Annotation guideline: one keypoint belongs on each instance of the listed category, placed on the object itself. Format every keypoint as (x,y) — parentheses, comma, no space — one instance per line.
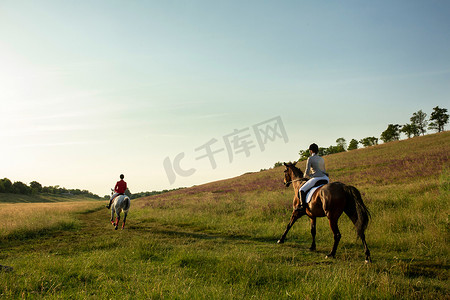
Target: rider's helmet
(314,148)
(121,176)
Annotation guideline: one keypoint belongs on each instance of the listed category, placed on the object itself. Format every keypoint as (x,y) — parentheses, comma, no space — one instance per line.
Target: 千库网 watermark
(237,142)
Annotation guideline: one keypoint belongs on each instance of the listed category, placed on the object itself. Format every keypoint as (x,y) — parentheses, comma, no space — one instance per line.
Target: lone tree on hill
(392,133)
(341,144)
(419,120)
(439,118)
(353,145)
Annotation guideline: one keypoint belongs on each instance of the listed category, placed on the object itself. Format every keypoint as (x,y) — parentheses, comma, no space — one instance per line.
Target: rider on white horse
(119,189)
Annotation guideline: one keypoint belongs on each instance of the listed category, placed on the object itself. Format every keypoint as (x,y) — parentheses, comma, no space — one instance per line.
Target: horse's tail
(127,203)
(356,209)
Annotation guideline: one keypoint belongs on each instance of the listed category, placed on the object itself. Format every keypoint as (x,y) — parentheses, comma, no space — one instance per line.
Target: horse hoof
(115,228)
(368,261)
(329,256)
(312,249)
(280,242)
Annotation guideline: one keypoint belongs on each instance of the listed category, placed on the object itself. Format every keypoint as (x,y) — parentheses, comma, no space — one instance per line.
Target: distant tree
(323,151)
(304,154)
(392,133)
(36,187)
(419,120)
(146,194)
(6,186)
(369,141)
(21,188)
(410,130)
(76,192)
(439,118)
(332,150)
(353,145)
(342,144)
(277,164)
(48,190)
(62,190)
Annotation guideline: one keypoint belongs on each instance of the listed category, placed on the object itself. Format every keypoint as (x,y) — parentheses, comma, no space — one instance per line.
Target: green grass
(218,241)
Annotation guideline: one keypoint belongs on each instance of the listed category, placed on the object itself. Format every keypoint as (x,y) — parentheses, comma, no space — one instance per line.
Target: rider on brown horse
(315,169)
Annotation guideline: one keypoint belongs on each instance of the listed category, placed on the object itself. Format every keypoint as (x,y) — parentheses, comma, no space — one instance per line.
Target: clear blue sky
(92,89)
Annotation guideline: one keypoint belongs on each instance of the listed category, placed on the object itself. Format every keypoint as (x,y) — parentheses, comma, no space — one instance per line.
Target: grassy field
(218,240)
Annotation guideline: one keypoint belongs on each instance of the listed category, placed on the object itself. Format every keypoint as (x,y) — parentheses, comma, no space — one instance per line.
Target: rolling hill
(218,240)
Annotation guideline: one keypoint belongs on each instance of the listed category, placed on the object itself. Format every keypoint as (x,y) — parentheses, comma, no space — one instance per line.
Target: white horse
(120,203)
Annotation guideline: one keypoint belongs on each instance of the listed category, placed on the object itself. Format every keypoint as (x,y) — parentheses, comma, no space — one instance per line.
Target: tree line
(152,193)
(418,126)
(35,188)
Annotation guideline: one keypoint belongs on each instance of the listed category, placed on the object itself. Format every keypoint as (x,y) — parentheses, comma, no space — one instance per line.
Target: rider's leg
(304,190)
(303,199)
(110,200)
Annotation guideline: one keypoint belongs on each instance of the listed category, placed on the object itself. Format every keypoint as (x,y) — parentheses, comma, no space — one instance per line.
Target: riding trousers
(310,183)
(115,195)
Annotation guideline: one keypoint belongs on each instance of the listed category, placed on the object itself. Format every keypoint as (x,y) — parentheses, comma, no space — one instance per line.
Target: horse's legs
(112,216)
(117,220)
(337,236)
(313,234)
(366,249)
(354,219)
(295,216)
(124,219)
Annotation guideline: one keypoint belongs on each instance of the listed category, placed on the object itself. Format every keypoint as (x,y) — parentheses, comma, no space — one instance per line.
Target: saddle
(120,194)
(311,191)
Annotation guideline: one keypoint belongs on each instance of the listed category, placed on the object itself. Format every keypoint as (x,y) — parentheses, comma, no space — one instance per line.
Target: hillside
(412,161)
(218,240)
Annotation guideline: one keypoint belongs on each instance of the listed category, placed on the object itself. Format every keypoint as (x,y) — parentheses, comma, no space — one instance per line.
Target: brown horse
(330,201)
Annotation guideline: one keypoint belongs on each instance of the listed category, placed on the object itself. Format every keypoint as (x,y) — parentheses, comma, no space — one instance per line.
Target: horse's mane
(297,172)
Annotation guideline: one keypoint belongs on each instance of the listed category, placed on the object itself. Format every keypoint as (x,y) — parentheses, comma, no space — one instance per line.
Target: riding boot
(303,200)
(109,205)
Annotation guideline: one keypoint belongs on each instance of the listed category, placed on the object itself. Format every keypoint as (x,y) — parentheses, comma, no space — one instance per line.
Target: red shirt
(121,187)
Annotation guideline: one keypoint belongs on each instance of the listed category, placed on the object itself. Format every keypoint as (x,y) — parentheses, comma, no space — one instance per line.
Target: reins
(300,179)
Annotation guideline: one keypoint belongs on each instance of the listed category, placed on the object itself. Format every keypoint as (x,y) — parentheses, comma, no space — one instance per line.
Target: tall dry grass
(20,220)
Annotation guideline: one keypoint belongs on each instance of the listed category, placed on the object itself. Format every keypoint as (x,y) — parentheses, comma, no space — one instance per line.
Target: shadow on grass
(27,234)
(177,233)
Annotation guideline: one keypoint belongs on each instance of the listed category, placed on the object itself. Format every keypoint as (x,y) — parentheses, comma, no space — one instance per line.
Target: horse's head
(291,173)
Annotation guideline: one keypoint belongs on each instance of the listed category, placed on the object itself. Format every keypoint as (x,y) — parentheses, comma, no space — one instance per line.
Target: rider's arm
(308,167)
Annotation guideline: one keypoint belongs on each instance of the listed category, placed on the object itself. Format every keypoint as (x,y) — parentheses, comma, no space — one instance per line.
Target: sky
(180,93)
